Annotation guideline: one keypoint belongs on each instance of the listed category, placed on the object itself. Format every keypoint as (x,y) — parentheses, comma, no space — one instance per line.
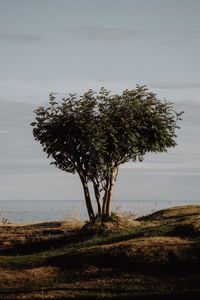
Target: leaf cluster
(97,131)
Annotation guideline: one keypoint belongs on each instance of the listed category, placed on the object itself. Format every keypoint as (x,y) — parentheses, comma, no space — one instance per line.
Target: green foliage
(94,132)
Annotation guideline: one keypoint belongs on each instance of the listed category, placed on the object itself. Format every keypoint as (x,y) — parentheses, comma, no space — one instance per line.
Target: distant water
(34,211)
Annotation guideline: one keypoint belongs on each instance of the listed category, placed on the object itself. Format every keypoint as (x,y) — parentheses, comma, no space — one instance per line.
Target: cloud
(104,33)
(173,85)
(162,36)
(21,38)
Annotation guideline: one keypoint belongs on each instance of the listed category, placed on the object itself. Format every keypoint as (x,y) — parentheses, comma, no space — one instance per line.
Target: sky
(67,46)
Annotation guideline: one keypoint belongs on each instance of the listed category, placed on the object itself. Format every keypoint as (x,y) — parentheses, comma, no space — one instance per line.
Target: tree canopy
(93,134)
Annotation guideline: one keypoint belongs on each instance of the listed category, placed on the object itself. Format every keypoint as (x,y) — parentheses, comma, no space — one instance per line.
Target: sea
(28,211)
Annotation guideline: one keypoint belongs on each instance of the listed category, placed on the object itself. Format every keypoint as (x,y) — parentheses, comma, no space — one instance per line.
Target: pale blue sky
(73,45)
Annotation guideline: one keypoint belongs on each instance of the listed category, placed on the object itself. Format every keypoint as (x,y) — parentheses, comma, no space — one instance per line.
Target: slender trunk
(105,198)
(109,200)
(110,192)
(87,197)
(97,196)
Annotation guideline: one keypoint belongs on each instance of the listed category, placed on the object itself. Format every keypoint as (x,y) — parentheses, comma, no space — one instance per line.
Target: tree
(94,134)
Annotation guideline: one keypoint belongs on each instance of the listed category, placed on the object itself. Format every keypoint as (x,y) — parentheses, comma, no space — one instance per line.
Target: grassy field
(157,255)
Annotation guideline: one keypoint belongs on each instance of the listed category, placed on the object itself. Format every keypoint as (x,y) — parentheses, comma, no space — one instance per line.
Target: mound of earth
(150,252)
(110,225)
(176,221)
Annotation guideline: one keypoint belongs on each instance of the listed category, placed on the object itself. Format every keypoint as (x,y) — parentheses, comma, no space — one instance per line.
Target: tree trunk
(110,192)
(87,197)
(105,198)
(97,196)
(109,200)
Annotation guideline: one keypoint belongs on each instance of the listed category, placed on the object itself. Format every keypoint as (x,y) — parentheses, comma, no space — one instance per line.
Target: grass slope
(156,255)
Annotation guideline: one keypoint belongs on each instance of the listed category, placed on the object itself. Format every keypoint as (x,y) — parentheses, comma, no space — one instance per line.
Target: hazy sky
(72,45)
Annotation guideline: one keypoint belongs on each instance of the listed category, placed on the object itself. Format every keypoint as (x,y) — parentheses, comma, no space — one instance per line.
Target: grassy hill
(156,255)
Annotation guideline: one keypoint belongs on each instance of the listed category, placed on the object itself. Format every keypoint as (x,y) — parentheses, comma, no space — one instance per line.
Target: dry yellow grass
(145,261)
(19,234)
(17,278)
(149,250)
(185,213)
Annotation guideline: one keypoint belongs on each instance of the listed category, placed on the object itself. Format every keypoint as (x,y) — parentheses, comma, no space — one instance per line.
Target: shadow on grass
(33,247)
(88,237)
